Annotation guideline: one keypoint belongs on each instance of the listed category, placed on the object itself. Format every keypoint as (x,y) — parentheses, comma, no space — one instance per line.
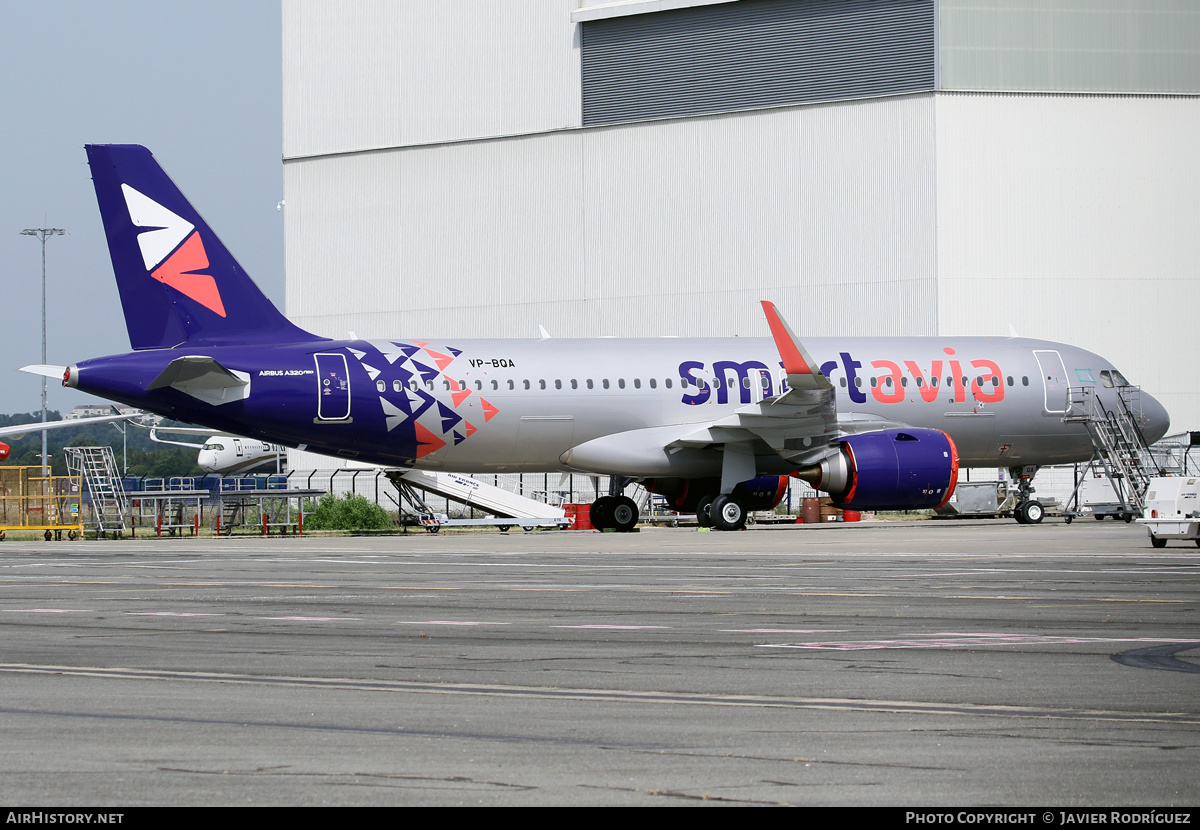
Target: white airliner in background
(224,454)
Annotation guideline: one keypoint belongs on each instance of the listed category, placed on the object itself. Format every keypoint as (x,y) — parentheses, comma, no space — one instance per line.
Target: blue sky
(197,83)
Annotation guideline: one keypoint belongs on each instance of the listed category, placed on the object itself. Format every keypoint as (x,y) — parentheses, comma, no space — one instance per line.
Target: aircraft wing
(38,426)
(798,424)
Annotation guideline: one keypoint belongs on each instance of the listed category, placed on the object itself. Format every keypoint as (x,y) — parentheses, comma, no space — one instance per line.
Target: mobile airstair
(1119,448)
(98,469)
(508,508)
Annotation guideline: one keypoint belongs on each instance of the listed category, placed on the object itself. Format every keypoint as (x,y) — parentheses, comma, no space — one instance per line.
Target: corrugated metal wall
(1074,219)
(1070,45)
(378,73)
(675,227)
(754,53)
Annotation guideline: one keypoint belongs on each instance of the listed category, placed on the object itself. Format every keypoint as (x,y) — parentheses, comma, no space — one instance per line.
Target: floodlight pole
(42,233)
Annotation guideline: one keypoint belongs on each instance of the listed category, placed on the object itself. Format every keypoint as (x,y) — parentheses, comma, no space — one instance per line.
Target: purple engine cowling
(892,469)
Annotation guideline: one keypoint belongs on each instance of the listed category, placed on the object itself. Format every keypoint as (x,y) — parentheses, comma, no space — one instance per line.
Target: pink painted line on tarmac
(47,610)
(168,614)
(448,622)
(966,640)
(312,619)
(783,630)
(614,627)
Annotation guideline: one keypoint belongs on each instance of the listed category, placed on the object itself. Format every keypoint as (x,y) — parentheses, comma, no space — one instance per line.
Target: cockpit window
(1111,378)
(217,447)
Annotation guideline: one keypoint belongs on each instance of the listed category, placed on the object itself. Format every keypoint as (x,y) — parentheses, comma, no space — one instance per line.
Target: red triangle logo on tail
(177,270)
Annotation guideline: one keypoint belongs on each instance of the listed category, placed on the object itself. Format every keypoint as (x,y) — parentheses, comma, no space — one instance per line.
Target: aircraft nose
(1157,421)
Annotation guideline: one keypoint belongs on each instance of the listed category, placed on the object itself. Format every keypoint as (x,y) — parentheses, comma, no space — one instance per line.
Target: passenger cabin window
(511,385)
(396,386)
(527,386)
(668,383)
(574,383)
(590,385)
(381,385)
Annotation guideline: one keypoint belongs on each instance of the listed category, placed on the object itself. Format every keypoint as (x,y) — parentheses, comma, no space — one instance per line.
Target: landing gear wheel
(602,513)
(1158,543)
(1099,517)
(70,535)
(727,513)
(49,536)
(704,512)
(1030,512)
(623,514)
(1128,518)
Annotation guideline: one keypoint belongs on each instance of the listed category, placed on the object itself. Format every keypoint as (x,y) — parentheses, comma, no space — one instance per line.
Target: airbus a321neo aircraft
(714,425)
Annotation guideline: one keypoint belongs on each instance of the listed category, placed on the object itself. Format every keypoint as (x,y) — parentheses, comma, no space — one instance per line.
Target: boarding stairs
(1119,447)
(236,509)
(98,468)
(509,508)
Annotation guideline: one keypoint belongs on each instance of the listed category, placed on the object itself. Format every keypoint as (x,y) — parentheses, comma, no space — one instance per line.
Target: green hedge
(348,513)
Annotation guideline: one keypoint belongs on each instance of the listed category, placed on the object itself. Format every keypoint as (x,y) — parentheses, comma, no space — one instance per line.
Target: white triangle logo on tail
(166,229)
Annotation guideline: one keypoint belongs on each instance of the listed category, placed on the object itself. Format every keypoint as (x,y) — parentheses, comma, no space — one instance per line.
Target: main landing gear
(722,512)
(619,513)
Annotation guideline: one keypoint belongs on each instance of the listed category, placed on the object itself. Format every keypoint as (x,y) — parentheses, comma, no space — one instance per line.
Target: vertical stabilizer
(178,282)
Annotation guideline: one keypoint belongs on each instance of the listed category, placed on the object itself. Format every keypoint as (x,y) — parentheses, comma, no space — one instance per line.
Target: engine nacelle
(3,451)
(892,469)
(683,494)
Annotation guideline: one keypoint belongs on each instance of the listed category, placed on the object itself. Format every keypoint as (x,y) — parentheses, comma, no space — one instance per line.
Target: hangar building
(656,167)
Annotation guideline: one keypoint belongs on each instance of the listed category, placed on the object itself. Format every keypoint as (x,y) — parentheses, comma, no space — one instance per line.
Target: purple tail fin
(179,285)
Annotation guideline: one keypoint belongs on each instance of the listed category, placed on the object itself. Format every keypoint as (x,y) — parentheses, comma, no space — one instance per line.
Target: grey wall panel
(674,228)
(377,73)
(1070,45)
(1073,218)
(754,53)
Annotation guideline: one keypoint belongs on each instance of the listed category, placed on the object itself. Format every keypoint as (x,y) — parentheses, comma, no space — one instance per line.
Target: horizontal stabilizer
(45,369)
(204,379)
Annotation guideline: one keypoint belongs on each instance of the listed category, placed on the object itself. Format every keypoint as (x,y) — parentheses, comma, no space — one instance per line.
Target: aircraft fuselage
(520,405)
